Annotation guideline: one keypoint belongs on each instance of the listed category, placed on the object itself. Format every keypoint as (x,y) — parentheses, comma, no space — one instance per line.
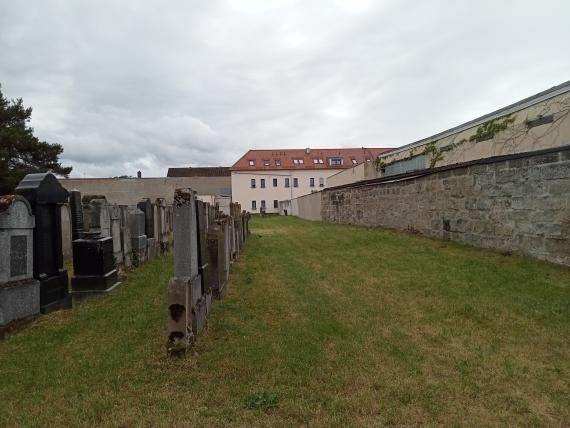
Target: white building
(262,178)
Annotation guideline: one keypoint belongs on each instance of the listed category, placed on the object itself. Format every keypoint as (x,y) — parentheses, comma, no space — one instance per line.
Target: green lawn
(321,325)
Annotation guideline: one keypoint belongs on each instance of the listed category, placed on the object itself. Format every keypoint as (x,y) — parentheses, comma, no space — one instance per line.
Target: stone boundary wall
(518,203)
(130,191)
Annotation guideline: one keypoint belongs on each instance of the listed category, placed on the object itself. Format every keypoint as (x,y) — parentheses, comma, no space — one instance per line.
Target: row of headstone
(206,241)
(105,237)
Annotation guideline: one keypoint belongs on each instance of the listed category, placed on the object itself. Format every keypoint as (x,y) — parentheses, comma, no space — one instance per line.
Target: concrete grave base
(95,283)
(18,300)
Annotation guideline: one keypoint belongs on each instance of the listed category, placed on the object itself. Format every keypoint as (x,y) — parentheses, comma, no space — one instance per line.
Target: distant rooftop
(206,171)
(275,159)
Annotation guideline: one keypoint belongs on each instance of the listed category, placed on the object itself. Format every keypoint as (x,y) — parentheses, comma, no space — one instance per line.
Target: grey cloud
(147,85)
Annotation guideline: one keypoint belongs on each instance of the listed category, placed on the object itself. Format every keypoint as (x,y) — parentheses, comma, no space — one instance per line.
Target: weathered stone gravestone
(216,258)
(46,196)
(126,242)
(189,306)
(115,220)
(19,291)
(96,217)
(161,225)
(203,267)
(138,236)
(94,269)
(147,208)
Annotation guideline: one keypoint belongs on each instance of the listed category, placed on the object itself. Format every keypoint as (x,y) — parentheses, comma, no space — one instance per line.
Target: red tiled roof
(286,158)
(207,171)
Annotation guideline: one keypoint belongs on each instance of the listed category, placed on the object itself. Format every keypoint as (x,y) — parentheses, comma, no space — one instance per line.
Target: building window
(321,182)
(275,203)
(251,162)
(253,183)
(262,183)
(312,182)
(335,161)
(277,162)
(265,162)
(287,182)
(295,182)
(321,161)
(253,205)
(263,204)
(274,182)
(298,161)
(354,161)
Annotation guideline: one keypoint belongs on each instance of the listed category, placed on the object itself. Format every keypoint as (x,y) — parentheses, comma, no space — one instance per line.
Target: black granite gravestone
(94,269)
(46,196)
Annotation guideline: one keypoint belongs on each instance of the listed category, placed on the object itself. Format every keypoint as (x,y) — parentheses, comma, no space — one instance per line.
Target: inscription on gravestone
(18,255)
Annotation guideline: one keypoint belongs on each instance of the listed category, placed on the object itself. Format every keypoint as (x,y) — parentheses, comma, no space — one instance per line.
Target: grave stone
(216,256)
(94,269)
(19,291)
(46,196)
(77,225)
(138,237)
(146,206)
(162,225)
(96,215)
(115,219)
(126,243)
(181,287)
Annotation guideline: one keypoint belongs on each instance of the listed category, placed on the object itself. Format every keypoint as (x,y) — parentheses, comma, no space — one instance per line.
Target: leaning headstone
(19,291)
(138,237)
(46,196)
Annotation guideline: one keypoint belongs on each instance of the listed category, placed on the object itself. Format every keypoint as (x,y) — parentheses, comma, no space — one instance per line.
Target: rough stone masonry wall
(519,204)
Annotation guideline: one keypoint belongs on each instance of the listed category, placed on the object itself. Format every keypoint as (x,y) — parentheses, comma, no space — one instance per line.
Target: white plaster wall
(244,194)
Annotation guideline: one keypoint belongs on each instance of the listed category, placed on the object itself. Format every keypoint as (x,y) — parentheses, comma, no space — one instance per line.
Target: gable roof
(285,158)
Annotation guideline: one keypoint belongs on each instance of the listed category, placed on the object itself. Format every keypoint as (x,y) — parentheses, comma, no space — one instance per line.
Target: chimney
(307,150)
(139,174)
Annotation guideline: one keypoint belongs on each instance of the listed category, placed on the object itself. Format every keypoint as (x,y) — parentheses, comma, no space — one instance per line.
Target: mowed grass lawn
(329,324)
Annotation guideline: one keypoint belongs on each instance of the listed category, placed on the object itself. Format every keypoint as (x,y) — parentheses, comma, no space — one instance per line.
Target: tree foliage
(21,152)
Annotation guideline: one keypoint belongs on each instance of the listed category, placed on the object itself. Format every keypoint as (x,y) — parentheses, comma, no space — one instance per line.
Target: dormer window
(354,161)
(317,161)
(298,161)
(335,161)
(277,162)
(251,162)
(265,162)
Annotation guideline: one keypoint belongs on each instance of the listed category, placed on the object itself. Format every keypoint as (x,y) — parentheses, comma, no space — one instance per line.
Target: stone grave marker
(46,196)
(138,237)
(19,291)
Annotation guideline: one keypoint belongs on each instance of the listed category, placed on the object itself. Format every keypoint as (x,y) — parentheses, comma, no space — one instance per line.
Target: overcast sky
(147,85)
